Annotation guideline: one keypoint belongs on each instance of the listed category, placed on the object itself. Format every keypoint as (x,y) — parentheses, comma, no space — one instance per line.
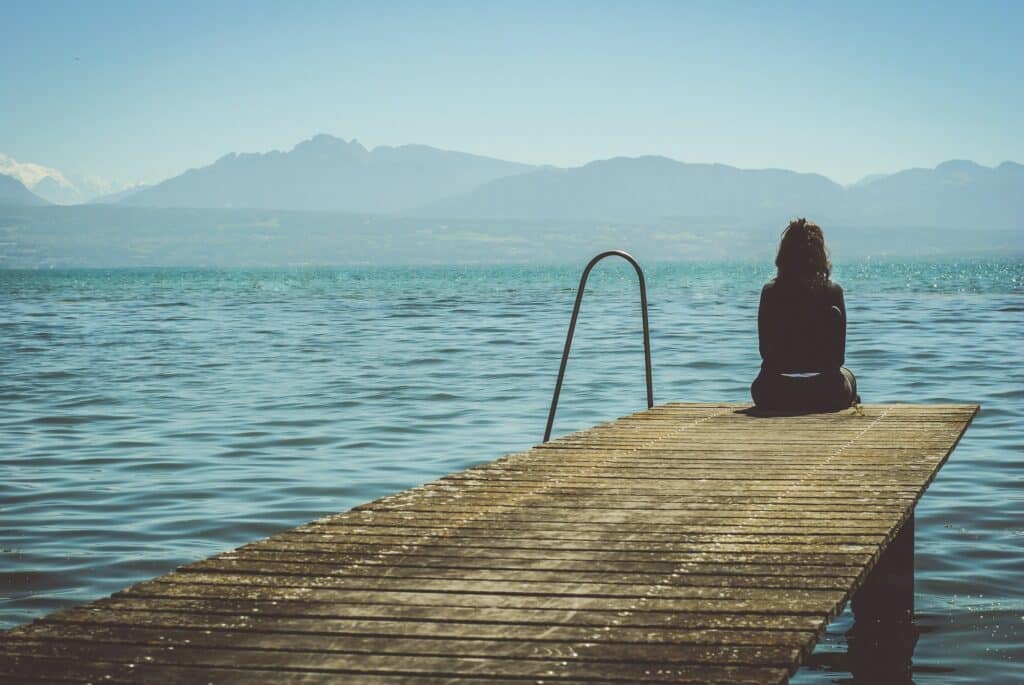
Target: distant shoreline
(107,236)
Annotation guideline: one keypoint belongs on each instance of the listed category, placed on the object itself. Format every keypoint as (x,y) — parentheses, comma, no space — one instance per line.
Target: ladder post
(572,328)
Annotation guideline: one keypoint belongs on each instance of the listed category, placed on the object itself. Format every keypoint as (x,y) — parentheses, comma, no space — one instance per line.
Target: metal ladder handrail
(572,327)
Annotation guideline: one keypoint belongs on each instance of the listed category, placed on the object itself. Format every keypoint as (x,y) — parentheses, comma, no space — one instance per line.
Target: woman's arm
(765,337)
(837,343)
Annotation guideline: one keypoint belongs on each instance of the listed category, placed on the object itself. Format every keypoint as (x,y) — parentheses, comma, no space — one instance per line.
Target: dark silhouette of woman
(801,325)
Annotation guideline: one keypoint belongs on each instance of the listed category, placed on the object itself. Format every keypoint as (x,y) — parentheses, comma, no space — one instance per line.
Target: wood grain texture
(690,543)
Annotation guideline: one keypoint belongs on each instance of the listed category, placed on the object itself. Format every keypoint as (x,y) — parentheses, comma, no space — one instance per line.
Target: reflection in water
(882,640)
(880,645)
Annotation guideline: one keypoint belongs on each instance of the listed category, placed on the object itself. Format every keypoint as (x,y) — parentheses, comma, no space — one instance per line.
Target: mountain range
(326,173)
(955,194)
(644,189)
(54,186)
(13,193)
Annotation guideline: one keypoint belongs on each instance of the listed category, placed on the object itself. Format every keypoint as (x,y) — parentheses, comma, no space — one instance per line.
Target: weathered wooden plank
(688,543)
(743,565)
(614,529)
(48,668)
(142,604)
(579,550)
(262,565)
(183,625)
(725,504)
(219,643)
(764,604)
(682,585)
(596,559)
(342,589)
(695,523)
(660,544)
(587,520)
(285,661)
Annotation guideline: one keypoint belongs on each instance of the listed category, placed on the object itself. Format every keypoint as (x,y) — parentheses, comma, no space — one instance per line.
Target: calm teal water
(152,417)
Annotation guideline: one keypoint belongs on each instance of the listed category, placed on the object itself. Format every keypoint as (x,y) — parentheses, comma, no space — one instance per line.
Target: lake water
(153,417)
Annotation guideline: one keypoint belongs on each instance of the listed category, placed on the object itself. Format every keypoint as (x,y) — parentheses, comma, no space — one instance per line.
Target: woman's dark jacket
(801,329)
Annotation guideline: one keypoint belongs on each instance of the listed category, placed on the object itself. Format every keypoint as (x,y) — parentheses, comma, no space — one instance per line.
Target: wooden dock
(690,543)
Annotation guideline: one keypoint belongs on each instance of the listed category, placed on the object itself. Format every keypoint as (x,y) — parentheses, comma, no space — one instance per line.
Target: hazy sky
(140,91)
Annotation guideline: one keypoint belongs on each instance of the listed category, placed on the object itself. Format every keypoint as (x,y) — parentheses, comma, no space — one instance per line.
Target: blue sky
(141,91)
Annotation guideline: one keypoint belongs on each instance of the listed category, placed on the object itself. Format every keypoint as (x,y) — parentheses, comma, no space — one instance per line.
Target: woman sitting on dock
(801,326)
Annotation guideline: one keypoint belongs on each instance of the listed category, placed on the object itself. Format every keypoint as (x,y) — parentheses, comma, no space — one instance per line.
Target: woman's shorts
(827,391)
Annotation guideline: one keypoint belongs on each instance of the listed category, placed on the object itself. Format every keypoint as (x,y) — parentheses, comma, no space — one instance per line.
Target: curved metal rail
(572,328)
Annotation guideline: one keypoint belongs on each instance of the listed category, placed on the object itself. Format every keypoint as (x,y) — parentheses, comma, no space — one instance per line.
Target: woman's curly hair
(803,257)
